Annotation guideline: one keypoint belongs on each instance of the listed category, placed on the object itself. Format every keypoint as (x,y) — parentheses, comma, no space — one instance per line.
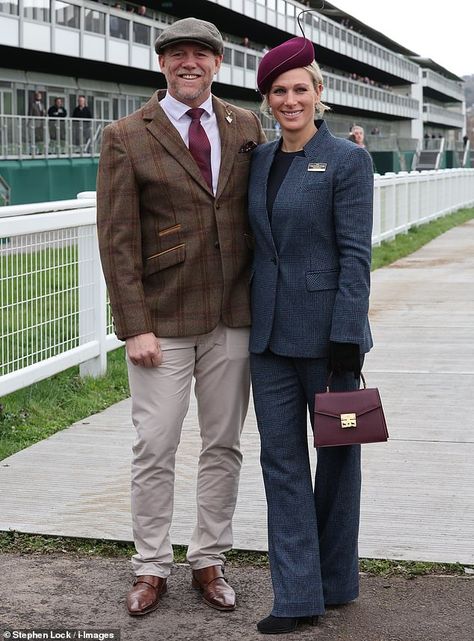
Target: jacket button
(217,244)
(218,206)
(274,260)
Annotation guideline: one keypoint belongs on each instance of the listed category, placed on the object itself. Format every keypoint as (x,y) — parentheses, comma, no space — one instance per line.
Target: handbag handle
(330,377)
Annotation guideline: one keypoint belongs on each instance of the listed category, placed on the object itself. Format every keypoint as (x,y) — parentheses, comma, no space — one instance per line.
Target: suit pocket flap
(164,259)
(316,281)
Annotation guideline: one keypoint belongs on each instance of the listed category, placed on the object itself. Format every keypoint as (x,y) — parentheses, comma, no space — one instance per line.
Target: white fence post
(92,302)
(92,298)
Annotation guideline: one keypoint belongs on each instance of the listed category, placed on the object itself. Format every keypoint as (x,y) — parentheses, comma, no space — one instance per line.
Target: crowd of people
(357,77)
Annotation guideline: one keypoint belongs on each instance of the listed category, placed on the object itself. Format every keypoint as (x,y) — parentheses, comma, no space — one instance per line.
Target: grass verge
(17,543)
(405,244)
(38,411)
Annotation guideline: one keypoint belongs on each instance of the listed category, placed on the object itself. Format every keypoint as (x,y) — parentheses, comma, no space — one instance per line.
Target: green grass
(17,543)
(40,303)
(416,237)
(36,412)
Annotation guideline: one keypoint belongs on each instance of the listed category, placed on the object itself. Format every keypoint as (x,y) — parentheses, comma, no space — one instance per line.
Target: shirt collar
(177,109)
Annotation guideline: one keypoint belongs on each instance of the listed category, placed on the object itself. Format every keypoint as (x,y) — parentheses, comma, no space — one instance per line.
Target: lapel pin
(229,115)
(317,166)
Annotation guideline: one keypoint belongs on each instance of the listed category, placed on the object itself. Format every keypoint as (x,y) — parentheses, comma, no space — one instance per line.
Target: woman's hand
(344,357)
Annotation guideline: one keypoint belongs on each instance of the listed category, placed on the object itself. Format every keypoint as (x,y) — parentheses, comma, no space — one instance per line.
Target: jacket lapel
(227,131)
(168,136)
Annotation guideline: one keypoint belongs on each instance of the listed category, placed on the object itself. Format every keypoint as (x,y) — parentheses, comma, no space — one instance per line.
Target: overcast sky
(443,30)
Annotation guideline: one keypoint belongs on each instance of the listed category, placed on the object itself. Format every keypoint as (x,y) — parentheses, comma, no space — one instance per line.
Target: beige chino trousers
(160,400)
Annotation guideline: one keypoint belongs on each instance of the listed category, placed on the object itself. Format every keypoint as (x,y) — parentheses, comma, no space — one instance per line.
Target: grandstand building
(104,50)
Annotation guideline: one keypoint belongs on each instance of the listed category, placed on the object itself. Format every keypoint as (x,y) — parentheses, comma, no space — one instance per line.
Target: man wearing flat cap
(175,248)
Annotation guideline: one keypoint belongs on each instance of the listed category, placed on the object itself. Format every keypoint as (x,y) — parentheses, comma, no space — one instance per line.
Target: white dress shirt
(176,112)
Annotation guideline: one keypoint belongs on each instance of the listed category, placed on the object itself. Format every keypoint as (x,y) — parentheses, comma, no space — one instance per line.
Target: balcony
(281,14)
(436,115)
(345,92)
(445,86)
(23,137)
(89,30)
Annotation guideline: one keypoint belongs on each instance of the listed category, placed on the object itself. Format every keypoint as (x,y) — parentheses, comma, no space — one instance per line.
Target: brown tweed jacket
(175,257)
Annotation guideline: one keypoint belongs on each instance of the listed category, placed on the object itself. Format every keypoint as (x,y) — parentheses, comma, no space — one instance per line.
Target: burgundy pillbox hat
(294,53)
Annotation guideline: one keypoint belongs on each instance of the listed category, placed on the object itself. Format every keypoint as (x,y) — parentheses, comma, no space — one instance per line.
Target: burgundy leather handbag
(349,418)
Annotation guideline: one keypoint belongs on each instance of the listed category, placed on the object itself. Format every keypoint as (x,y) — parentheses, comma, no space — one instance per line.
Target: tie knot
(196,113)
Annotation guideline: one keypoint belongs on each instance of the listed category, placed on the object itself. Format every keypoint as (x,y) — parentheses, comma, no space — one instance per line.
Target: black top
(57,112)
(85,112)
(280,166)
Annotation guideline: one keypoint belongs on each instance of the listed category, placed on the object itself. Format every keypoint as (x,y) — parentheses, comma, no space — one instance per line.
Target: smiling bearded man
(176,249)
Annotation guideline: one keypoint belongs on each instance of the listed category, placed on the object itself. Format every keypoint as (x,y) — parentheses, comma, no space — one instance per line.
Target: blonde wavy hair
(317,77)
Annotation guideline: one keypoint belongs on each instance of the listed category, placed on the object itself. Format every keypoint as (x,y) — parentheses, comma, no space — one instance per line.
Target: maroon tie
(199,145)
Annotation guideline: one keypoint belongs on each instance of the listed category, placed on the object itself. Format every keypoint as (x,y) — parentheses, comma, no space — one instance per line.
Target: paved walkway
(418,498)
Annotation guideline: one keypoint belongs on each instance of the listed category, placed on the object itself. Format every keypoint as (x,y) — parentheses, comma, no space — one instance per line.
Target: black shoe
(280,625)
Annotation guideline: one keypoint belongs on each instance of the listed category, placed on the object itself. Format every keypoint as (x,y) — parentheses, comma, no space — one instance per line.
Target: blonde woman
(310,208)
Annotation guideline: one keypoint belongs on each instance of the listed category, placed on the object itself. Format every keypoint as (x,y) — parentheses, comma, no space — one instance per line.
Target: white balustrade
(53,302)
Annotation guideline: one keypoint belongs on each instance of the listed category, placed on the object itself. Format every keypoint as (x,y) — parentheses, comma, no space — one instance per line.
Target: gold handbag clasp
(348,420)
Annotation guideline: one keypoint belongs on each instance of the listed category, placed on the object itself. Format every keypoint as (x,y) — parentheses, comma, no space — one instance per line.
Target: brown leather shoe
(215,590)
(144,597)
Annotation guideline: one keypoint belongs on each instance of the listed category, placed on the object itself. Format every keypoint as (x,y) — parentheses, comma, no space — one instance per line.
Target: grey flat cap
(191,30)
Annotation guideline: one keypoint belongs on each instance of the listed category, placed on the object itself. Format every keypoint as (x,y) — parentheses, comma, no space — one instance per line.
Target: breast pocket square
(247,146)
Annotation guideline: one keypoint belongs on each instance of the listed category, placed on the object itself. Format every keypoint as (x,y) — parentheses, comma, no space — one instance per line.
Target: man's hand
(144,350)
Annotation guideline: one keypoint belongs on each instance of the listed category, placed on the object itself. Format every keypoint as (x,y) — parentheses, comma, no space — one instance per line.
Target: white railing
(42,137)
(406,199)
(436,81)
(441,115)
(53,301)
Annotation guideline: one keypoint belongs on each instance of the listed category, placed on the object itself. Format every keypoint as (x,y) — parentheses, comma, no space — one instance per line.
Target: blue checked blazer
(310,276)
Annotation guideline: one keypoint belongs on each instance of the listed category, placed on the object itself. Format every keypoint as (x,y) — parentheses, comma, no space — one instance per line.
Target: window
(9,6)
(67,15)
(119,27)
(251,62)
(227,56)
(94,21)
(141,33)
(239,58)
(38,10)
(281,7)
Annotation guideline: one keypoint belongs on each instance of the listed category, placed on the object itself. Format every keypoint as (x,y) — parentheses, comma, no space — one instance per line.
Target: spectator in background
(81,131)
(357,135)
(57,111)
(37,110)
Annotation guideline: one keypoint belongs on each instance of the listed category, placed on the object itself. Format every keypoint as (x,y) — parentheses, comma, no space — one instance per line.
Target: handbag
(349,418)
